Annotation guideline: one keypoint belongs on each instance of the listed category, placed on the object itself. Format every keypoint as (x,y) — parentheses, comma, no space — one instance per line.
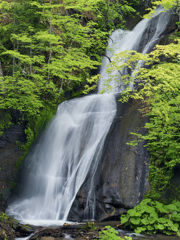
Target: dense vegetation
(153,217)
(48,49)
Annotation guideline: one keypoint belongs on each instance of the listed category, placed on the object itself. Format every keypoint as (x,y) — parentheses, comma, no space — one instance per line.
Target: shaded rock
(173,192)
(25,230)
(123,176)
(47,232)
(133,19)
(48,238)
(10,152)
(162,37)
(79,231)
(3,203)
(121,179)
(8,228)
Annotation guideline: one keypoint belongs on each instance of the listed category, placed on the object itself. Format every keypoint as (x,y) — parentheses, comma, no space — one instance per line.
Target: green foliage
(3,216)
(89,226)
(153,217)
(109,233)
(5,120)
(34,127)
(167,4)
(49,48)
(111,11)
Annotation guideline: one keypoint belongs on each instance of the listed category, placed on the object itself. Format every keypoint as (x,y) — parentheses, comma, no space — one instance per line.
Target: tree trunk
(1,71)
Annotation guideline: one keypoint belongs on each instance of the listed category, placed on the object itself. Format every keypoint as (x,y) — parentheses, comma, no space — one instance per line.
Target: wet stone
(48,238)
(48,232)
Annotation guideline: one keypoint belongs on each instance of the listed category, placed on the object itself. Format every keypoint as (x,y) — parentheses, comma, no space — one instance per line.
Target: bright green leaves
(161,208)
(124,218)
(167,4)
(35,125)
(135,220)
(82,5)
(48,48)
(152,217)
(55,42)
(22,95)
(109,233)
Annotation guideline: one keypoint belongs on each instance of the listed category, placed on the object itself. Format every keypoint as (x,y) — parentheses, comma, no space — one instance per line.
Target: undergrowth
(153,217)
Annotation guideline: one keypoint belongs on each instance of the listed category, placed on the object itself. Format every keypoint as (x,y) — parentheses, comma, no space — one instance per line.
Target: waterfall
(71,147)
(146,34)
(60,162)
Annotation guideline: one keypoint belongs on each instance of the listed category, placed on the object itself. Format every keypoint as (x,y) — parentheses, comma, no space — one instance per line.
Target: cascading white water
(72,145)
(61,161)
(142,38)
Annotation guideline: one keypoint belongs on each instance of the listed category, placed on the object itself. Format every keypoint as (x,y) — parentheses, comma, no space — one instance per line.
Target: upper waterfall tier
(142,38)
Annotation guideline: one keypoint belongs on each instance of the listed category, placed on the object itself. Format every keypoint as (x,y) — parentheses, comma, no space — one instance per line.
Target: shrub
(109,233)
(153,217)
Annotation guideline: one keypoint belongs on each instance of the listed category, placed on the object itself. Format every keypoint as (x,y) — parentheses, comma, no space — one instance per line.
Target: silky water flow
(58,165)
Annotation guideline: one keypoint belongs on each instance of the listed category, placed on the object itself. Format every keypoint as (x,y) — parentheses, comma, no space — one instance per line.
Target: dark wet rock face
(10,152)
(11,228)
(124,171)
(121,178)
(163,38)
(48,232)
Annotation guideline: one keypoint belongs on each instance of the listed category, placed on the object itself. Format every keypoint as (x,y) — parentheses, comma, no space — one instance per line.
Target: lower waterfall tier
(121,178)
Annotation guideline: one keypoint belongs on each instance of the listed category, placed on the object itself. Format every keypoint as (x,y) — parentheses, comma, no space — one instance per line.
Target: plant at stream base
(153,217)
(109,233)
(3,216)
(89,226)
